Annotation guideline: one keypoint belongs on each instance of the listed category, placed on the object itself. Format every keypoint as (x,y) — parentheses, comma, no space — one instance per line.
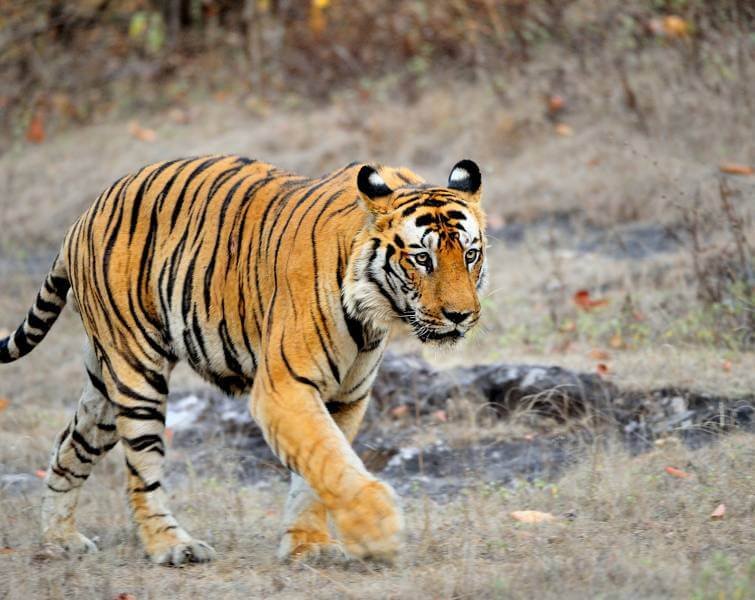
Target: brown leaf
(4,403)
(35,132)
(440,416)
(736,169)
(583,300)
(602,368)
(675,27)
(532,516)
(563,130)
(41,473)
(179,115)
(568,326)
(726,366)
(124,596)
(6,550)
(719,512)
(142,134)
(399,411)
(616,342)
(556,103)
(598,354)
(678,473)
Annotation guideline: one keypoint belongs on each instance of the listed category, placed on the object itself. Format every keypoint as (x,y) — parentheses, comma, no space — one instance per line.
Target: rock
(207,422)
(18,483)
(552,391)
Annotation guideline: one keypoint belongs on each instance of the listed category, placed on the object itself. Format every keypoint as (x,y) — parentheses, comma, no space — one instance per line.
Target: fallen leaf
(142,134)
(179,115)
(725,366)
(399,411)
(736,169)
(678,473)
(440,416)
(169,435)
(568,326)
(719,512)
(7,550)
(676,27)
(598,354)
(124,596)
(594,162)
(556,103)
(41,473)
(602,368)
(532,516)
(4,403)
(35,132)
(563,130)
(616,341)
(583,300)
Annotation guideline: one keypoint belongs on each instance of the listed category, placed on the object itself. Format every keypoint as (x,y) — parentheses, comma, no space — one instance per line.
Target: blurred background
(617,143)
(616,137)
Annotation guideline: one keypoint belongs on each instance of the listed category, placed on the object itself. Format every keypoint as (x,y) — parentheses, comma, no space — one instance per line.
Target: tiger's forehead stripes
(434,228)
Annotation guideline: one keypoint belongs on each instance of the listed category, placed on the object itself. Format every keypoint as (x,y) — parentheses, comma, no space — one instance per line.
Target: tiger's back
(182,259)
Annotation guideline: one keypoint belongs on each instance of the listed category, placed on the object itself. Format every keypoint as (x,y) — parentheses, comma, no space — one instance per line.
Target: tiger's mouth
(432,334)
(438,337)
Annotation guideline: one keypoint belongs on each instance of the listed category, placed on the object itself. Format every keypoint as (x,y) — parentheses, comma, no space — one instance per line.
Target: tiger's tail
(39,320)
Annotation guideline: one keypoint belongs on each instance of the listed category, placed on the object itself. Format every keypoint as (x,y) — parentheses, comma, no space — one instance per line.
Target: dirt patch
(561,415)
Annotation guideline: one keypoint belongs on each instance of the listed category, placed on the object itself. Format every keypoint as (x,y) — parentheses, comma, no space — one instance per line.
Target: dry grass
(625,529)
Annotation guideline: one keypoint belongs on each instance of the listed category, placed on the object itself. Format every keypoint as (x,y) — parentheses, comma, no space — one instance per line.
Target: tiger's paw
(69,543)
(370,525)
(178,549)
(309,546)
(193,551)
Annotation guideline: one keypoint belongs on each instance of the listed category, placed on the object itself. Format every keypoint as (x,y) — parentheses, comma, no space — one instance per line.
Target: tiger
(277,288)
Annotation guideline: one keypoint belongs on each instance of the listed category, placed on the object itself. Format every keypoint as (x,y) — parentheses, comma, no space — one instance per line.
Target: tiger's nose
(456,317)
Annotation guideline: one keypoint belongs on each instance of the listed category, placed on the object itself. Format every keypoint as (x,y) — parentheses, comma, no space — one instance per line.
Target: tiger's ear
(465,177)
(374,191)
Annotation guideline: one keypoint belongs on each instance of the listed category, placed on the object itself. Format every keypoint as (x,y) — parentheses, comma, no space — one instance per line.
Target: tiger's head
(421,257)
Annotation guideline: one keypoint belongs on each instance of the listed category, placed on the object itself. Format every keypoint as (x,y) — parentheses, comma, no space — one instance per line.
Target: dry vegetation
(627,202)
(625,528)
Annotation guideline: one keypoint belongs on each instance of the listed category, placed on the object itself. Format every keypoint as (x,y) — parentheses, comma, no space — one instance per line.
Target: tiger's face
(423,261)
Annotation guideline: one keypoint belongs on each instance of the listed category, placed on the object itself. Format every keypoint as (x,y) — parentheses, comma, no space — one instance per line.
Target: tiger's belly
(213,352)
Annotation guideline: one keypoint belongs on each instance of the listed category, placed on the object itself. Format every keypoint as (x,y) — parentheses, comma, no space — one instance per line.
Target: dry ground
(625,529)
(631,530)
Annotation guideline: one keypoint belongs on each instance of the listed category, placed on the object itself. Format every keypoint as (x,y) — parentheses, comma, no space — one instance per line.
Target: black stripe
(147,488)
(79,439)
(152,441)
(295,375)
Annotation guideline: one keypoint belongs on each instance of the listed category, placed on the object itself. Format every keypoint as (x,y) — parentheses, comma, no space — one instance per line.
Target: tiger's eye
(423,258)
(471,255)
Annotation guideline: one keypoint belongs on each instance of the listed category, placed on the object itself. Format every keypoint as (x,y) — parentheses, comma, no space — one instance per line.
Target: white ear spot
(376,180)
(459,174)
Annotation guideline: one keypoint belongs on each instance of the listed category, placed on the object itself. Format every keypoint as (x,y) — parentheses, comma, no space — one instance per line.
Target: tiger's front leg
(305,520)
(301,432)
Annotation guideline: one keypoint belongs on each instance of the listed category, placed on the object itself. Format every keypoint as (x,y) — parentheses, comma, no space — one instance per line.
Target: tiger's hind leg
(77,449)
(305,519)
(140,394)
